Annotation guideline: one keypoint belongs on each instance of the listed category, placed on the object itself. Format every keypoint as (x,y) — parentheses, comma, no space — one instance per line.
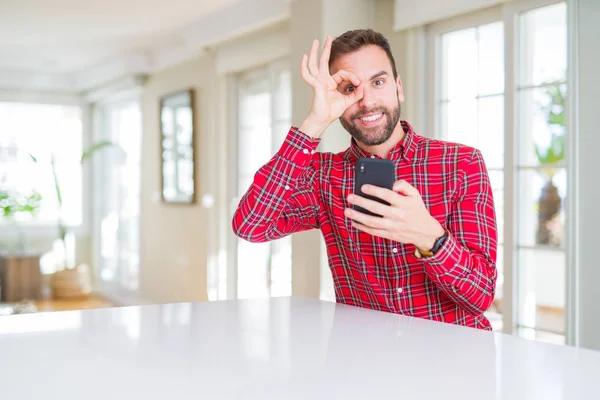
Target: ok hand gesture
(332,95)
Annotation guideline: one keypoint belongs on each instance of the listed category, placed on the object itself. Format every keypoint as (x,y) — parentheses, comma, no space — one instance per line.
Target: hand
(405,220)
(328,102)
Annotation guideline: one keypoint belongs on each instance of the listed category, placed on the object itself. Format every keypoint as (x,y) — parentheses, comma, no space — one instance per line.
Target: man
(432,254)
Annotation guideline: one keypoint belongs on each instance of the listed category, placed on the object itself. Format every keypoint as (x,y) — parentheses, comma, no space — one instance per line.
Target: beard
(372,136)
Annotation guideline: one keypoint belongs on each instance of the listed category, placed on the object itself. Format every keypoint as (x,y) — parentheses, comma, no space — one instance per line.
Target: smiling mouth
(371,118)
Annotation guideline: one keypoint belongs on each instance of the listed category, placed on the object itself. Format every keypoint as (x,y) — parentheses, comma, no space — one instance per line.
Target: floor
(90,302)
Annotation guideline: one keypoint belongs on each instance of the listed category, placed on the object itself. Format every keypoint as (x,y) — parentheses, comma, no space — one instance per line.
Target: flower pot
(549,210)
(71,283)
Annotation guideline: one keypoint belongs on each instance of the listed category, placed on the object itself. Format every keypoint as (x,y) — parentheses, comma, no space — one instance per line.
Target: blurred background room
(130,129)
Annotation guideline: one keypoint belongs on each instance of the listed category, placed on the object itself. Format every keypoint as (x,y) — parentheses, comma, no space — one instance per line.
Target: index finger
(406,189)
(324,62)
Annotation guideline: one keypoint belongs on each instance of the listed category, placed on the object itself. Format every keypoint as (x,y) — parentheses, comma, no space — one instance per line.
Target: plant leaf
(94,148)
(56,185)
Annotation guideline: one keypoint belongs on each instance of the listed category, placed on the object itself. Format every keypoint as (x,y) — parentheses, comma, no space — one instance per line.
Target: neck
(383,149)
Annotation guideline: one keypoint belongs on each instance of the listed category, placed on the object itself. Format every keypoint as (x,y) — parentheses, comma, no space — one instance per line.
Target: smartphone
(376,172)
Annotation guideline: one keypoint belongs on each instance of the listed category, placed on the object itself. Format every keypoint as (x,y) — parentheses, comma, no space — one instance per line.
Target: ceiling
(61,43)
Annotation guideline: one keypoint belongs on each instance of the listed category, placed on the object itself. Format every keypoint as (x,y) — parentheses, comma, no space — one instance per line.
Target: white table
(284,348)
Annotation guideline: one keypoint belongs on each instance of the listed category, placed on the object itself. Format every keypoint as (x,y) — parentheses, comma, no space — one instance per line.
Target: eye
(378,82)
(349,89)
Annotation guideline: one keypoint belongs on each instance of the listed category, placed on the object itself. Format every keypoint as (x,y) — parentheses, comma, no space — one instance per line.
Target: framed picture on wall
(177,147)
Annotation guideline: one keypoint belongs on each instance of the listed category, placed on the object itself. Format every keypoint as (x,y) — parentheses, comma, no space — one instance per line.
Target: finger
(371,205)
(308,78)
(343,75)
(367,220)
(372,231)
(312,59)
(384,194)
(355,96)
(406,189)
(324,63)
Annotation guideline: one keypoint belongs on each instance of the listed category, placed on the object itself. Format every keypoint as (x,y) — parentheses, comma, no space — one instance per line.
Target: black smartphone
(376,172)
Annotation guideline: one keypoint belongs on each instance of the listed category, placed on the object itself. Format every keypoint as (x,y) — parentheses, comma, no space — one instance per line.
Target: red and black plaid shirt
(300,189)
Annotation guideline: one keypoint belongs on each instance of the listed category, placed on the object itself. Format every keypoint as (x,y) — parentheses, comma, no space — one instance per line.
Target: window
(264,119)
(47,132)
(523,149)
(119,183)
(470,106)
(541,175)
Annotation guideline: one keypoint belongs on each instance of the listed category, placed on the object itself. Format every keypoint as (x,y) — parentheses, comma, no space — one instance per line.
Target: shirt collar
(404,149)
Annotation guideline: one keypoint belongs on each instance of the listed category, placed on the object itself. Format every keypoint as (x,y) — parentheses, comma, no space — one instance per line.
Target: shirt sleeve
(283,196)
(464,268)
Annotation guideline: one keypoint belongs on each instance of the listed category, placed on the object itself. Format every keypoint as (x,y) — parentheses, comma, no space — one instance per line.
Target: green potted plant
(549,202)
(71,280)
(13,203)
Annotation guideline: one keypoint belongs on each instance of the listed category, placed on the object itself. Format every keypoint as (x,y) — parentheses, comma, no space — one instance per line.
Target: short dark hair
(352,41)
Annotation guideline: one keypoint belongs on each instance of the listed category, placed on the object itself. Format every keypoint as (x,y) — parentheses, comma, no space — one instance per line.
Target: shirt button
(373,156)
(287,187)
(399,290)
(394,250)
(312,152)
(305,151)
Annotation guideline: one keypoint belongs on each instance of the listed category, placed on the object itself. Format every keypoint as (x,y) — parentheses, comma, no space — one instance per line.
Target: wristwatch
(439,242)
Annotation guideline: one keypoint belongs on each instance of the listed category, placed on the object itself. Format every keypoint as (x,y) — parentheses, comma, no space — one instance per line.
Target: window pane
(283,96)
(459,67)
(541,336)
(497,182)
(253,272)
(491,58)
(542,127)
(281,267)
(500,279)
(458,122)
(70,180)
(46,132)
(490,118)
(541,215)
(264,269)
(244,182)
(280,131)
(255,103)
(541,293)
(120,186)
(255,147)
(543,45)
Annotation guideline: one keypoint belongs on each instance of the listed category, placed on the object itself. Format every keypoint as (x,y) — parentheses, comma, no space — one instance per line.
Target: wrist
(313,127)
(429,239)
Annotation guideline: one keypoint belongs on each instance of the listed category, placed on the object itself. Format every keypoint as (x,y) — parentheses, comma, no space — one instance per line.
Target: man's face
(373,119)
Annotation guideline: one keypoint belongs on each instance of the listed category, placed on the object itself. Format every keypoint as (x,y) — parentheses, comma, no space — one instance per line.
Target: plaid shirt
(300,189)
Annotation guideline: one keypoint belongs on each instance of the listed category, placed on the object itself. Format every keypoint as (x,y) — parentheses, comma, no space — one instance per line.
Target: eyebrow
(377,75)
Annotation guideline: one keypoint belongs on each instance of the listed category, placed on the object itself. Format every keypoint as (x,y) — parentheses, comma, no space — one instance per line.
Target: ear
(400,89)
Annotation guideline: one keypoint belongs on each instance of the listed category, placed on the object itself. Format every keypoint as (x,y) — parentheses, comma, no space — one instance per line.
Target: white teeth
(371,118)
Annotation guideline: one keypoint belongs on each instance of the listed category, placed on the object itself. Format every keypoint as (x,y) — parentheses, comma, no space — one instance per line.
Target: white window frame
(506,13)
(231,290)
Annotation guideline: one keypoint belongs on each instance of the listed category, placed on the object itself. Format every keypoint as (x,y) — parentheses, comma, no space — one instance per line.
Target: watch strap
(439,242)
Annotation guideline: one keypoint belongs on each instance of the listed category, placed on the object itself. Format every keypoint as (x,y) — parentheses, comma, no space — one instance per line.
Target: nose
(368,100)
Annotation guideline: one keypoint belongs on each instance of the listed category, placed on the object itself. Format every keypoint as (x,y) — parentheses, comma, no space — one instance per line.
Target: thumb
(405,189)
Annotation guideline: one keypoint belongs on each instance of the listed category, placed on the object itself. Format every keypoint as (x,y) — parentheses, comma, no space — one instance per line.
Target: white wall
(584,284)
